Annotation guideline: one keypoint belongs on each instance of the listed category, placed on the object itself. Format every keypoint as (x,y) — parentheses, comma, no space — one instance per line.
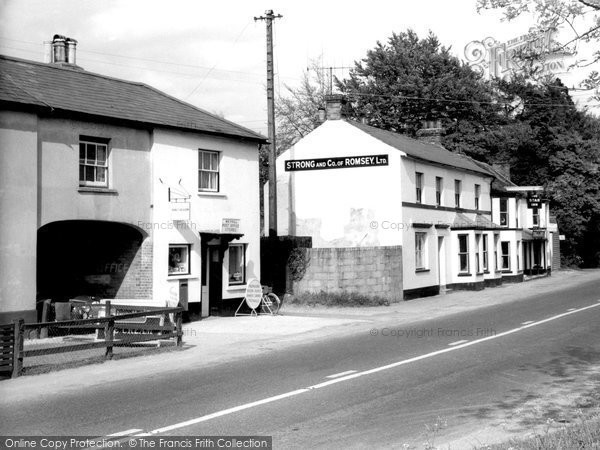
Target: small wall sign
(342,162)
(230,225)
(180,211)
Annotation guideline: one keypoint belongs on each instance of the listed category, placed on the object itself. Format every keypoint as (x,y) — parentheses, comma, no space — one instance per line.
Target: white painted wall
(346,207)
(175,162)
(18,212)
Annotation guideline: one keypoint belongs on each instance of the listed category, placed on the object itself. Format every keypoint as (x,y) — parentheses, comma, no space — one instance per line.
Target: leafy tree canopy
(409,80)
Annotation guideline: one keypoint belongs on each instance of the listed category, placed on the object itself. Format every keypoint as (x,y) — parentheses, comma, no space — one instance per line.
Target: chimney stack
(431,132)
(334,105)
(63,52)
(503,169)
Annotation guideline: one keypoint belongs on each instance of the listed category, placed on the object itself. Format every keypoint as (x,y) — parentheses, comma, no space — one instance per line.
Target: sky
(213,54)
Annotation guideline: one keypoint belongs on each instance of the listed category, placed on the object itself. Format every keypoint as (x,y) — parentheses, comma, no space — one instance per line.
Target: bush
(338,299)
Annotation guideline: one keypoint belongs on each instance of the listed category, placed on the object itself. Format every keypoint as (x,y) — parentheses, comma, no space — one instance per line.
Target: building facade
(113,190)
(349,185)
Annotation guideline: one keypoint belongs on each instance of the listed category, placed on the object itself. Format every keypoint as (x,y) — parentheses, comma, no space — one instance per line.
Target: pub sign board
(534,201)
(340,162)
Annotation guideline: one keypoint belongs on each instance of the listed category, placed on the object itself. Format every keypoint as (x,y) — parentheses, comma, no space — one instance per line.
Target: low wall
(371,271)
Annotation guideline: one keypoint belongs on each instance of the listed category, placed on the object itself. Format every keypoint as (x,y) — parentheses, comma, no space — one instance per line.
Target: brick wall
(373,271)
(137,280)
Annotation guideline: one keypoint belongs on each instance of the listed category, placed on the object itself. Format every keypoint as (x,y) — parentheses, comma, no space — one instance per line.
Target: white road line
(527,323)
(340,379)
(458,342)
(341,374)
(125,433)
(571,309)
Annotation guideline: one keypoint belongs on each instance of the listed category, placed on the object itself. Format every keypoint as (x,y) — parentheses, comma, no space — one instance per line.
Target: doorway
(215,279)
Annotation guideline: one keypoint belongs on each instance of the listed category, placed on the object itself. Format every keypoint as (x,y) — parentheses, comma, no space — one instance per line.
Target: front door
(215,279)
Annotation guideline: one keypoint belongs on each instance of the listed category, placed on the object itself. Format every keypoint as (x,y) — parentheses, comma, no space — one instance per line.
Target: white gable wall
(344,207)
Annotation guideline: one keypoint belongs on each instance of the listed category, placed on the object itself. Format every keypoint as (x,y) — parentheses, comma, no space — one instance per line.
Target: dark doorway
(215,279)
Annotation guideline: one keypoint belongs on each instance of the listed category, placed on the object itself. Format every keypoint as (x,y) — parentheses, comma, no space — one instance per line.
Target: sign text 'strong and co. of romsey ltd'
(341,162)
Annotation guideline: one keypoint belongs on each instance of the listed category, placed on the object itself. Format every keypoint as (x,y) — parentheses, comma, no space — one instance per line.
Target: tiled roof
(67,89)
(500,180)
(421,150)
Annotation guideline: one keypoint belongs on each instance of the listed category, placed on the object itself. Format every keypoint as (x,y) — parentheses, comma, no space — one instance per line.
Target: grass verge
(346,299)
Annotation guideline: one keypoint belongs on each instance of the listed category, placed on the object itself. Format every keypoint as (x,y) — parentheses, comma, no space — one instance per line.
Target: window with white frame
(496,252)
(420,250)
(477,195)
(457,189)
(179,259)
(518,255)
(237,264)
(477,250)
(463,253)
(439,185)
(503,212)
(208,171)
(419,186)
(485,253)
(505,255)
(93,162)
(536,217)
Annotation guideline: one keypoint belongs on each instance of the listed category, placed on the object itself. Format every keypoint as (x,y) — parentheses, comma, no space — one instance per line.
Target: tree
(409,80)
(297,111)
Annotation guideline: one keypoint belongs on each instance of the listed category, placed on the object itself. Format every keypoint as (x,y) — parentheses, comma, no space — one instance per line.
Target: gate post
(178,320)
(109,332)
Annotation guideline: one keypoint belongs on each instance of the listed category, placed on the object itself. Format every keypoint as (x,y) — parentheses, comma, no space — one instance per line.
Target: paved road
(395,381)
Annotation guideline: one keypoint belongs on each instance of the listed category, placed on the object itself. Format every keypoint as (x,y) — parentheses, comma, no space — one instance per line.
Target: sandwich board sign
(252,298)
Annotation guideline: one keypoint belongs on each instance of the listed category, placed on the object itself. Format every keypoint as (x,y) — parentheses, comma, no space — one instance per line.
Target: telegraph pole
(268,18)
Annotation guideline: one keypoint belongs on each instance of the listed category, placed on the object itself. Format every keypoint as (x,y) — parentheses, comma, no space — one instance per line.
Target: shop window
(505,255)
(419,186)
(421,251)
(208,171)
(439,185)
(503,212)
(237,264)
(477,195)
(457,189)
(463,253)
(179,259)
(93,162)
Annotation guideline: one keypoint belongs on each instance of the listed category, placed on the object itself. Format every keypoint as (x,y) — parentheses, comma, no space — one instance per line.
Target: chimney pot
(71,50)
(58,49)
(322,115)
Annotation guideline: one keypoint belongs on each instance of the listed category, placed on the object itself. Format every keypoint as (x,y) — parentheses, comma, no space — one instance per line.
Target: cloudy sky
(212,54)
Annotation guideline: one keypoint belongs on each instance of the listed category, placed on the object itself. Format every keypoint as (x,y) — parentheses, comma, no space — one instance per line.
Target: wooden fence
(115,329)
